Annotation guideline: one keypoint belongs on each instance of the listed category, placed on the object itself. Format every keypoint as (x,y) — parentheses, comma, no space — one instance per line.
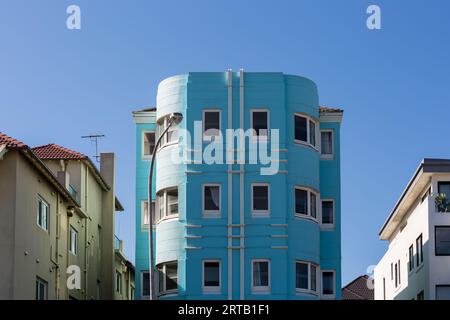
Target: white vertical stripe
(241,182)
(230,190)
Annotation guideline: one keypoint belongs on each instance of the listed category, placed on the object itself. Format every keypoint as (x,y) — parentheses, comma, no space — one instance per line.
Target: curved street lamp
(175,118)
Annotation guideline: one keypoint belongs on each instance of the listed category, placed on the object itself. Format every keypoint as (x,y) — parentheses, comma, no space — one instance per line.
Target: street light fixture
(175,118)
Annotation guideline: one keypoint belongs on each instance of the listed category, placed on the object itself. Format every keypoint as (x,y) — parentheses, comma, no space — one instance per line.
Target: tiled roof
(53,151)
(358,290)
(10,142)
(328,109)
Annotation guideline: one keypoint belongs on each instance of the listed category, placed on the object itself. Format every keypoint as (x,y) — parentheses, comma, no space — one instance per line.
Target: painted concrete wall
(237,237)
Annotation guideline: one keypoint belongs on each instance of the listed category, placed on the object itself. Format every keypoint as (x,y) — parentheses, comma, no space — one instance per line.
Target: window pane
(301,275)
(300,129)
(313,199)
(171,276)
(301,201)
(261,274)
(145,213)
(212,198)
(326,142)
(411,258)
(443,240)
(327,212)
(149,143)
(145,284)
(212,274)
(442,292)
(259,120)
(312,133)
(212,123)
(161,206)
(261,198)
(313,277)
(444,187)
(172,201)
(328,282)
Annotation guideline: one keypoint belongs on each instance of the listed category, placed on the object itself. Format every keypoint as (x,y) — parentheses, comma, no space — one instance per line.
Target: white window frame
(318,204)
(165,291)
(328,225)
(331,155)
(40,281)
(211,289)
(261,289)
(161,125)
(210,137)
(147,156)
(143,209)
(73,242)
(309,290)
(308,136)
(211,213)
(260,213)
(47,214)
(253,135)
(166,205)
(328,296)
(118,282)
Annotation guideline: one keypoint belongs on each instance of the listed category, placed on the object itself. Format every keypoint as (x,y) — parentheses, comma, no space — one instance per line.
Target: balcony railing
(118,244)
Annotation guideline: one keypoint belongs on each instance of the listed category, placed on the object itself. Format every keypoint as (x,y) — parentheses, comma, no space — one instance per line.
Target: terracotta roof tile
(10,142)
(53,151)
(358,290)
(328,109)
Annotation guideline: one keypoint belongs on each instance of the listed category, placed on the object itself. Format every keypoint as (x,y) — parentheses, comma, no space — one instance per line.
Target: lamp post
(174,118)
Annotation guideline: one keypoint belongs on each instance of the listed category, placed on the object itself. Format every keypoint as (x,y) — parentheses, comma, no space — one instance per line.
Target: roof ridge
(55,151)
(10,141)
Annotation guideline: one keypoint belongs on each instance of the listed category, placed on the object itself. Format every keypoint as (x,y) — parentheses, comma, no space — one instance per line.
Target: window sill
(328,296)
(212,290)
(327,227)
(306,144)
(168,293)
(211,215)
(306,217)
(261,291)
(327,157)
(260,214)
(305,291)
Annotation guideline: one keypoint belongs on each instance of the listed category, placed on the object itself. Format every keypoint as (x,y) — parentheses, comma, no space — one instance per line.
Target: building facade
(57,221)
(417,262)
(124,273)
(228,229)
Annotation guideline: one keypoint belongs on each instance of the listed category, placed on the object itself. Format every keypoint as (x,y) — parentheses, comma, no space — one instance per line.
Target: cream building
(417,262)
(57,214)
(124,274)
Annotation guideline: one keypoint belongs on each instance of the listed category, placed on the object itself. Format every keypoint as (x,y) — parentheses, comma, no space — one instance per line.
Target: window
(211,276)
(411,257)
(305,276)
(260,199)
(73,240)
(172,133)
(118,282)
(43,214)
(443,292)
(41,289)
(305,202)
(328,283)
(442,240)
(260,275)
(444,188)
(145,284)
(167,204)
(399,273)
(326,143)
(148,143)
(211,199)
(419,249)
(305,130)
(420,296)
(392,271)
(328,212)
(168,277)
(211,124)
(260,123)
(144,213)
(384,288)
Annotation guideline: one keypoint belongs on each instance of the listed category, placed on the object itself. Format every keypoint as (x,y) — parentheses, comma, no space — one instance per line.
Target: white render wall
(434,271)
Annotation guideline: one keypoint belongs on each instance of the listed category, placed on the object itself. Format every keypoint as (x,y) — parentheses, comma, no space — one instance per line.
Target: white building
(417,262)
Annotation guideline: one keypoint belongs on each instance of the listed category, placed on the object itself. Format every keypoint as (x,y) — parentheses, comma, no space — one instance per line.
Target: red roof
(53,151)
(10,142)
(328,109)
(358,289)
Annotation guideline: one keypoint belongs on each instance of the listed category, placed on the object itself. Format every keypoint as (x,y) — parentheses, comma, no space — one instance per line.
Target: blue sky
(57,85)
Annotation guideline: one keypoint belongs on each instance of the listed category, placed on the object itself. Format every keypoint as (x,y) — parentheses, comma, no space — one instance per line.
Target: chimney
(107,167)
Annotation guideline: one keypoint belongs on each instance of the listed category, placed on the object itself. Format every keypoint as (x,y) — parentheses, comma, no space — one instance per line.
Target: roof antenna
(94,139)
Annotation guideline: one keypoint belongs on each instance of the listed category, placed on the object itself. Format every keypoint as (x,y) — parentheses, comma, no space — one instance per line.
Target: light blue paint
(282,95)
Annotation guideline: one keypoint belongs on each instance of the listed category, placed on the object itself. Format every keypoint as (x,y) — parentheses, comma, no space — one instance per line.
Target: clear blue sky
(394,84)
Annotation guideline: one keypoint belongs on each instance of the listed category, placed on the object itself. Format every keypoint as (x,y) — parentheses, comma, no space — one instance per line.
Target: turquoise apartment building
(225,230)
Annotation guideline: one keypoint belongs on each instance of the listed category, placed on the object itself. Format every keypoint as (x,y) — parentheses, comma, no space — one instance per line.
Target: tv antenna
(94,139)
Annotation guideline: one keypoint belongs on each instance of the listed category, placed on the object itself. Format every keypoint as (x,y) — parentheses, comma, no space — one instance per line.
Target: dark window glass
(149,143)
(312,133)
(171,276)
(442,237)
(301,275)
(145,284)
(326,141)
(411,258)
(444,187)
(313,199)
(313,278)
(212,122)
(260,198)
(328,282)
(301,201)
(327,212)
(260,273)
(420,296)
(419,254)
(212,198)
(260,122)
(301,129)
(442,292)
(212,274)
